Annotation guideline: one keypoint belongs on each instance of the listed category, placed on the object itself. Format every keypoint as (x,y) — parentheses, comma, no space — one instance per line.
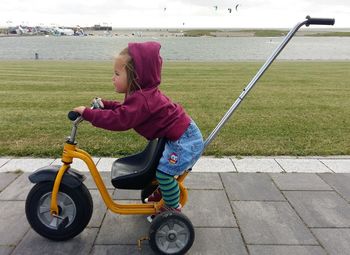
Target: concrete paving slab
(271,223)
(99,211)
(339,182)
(126,194)
(256,165)
(33,243)
(90,183)
(302,165)
(6,250)
(249,186)
(122,229)
(209,164)
(13,222)
(335,241)
(3,161)
(320,208)
(6,179)
(122,250)
(105,164)
(77,164)
(299,181)
(337,165)
(206,181)
(209,209)
(268,227)
(285,250)
(25,164)
(18,189)
(212,241)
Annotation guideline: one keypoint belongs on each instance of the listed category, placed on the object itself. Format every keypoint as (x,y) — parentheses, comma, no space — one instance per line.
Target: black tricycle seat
(138,170)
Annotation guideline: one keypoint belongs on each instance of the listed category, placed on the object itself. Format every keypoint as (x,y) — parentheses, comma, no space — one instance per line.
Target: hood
(148,63)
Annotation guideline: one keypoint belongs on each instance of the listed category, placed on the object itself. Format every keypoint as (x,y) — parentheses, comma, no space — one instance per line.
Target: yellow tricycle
(60,206)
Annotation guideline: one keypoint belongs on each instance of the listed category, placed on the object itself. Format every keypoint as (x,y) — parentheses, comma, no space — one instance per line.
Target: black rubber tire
(171,217)
(83,208)
(146,192)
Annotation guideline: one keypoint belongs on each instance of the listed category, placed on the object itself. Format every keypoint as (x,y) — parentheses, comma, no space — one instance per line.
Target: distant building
(102,28)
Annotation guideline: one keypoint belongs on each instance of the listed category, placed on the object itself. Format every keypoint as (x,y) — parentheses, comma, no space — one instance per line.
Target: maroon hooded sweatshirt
(147,110)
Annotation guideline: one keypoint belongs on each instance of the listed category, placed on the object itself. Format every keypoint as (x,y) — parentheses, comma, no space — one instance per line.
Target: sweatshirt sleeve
(110,104)
(124,116)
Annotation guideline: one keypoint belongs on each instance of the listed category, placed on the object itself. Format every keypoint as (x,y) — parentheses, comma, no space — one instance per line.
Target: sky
(172,13)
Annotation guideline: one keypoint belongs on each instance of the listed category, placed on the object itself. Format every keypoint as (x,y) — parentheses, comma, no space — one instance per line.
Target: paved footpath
(257,206)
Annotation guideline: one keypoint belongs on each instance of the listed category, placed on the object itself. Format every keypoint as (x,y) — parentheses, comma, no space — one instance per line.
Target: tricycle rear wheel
(171,233)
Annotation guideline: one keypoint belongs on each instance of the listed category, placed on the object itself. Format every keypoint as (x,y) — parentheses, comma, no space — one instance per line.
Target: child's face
(120,77)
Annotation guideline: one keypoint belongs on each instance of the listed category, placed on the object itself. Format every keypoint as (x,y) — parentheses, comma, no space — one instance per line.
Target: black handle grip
(319,21)
(73,115)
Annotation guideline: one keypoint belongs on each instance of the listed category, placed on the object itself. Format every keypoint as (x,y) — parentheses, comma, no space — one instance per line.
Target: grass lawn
(297,108)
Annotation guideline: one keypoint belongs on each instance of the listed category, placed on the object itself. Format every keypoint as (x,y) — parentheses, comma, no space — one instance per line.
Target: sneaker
(164,209)
(156,196)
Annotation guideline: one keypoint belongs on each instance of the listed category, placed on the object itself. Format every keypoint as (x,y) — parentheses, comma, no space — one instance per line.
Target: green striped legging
(169,189)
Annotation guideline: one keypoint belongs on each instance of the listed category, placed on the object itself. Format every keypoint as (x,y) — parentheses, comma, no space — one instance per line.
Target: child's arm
(110,104)
(124,116)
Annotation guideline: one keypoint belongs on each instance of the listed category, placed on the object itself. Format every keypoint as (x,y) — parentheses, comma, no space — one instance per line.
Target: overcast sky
(172,13)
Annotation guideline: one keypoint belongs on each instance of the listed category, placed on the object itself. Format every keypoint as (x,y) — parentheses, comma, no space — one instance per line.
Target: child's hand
(79,109)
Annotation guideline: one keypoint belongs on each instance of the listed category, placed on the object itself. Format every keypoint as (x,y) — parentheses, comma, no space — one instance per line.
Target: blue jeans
(182,154)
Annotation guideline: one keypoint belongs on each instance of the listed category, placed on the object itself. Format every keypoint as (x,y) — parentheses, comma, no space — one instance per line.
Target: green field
(260,33)
(297,108)
(341,34)
(200,32)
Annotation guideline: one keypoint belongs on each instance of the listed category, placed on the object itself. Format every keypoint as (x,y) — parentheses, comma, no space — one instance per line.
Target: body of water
(176,48)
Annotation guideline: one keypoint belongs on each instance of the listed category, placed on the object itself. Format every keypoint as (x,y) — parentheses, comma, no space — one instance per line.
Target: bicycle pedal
(63,223)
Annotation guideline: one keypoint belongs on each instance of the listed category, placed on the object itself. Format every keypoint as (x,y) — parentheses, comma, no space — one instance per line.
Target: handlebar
(96,104)
(319,21)
(73,115)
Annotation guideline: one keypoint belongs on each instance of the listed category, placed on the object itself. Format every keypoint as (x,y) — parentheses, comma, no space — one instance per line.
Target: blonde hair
(130,72)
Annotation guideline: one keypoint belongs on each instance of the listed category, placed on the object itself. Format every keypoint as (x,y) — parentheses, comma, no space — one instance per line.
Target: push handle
(73,115)
(228,114)
(319,21)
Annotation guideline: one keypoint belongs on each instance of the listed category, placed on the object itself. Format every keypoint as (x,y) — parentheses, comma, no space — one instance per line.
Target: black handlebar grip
(319,21)
(73,115)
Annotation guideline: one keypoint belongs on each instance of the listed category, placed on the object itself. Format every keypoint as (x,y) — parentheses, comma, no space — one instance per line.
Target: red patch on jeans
(173,158)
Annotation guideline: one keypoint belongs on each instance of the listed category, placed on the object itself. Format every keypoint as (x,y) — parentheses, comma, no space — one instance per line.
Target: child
(137,73)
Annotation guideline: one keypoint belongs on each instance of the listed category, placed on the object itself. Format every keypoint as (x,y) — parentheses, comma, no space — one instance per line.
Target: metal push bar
(307,22)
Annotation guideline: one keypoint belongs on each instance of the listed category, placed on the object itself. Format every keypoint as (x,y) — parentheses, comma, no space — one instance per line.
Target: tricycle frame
(71,151)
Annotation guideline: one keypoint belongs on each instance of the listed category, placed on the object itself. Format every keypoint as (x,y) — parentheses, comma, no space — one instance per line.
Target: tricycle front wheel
(75,209)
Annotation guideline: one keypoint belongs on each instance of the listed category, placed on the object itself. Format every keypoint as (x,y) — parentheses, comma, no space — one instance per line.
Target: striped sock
(169,189)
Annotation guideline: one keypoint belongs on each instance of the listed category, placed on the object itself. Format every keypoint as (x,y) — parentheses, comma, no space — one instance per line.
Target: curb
(270,164)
